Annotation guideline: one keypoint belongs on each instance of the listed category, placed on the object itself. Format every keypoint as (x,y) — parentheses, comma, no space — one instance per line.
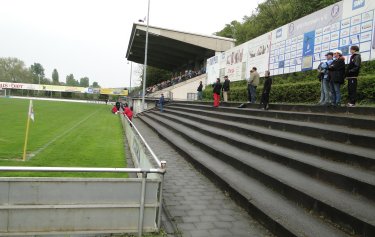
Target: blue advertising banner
(308,43)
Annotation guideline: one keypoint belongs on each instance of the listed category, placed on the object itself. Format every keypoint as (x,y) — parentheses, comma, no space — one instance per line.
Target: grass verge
(63,134)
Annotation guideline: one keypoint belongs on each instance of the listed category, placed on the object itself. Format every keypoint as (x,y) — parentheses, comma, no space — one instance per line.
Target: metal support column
(142,205)
(163,167)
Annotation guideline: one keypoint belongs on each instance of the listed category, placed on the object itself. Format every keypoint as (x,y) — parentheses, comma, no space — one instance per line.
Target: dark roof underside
(163,52)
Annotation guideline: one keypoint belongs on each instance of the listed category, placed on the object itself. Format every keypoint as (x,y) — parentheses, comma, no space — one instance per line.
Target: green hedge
(301,92)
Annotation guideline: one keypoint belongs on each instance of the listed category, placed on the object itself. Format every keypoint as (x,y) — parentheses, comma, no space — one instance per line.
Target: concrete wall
(30,206)
(180,93)
(137,105)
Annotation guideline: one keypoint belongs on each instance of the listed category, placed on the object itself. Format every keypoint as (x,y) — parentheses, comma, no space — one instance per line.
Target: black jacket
(217,88)
(200,87)
(267,85)
(226,86)
(354,65)
(337,70)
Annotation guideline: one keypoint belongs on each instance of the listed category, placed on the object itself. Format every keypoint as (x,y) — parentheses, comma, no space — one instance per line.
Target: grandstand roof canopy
(171,49)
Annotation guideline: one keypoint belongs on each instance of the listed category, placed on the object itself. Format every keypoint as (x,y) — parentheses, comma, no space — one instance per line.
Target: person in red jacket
(114,109)
(128,112)
(216,91)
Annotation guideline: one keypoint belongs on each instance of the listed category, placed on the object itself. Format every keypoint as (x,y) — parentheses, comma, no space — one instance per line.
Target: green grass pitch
(64,134)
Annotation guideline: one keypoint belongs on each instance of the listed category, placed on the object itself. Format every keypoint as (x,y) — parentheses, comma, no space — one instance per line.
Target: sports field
(63,134)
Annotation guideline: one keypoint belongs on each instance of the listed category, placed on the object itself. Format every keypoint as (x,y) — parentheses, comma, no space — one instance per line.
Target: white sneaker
(350,105)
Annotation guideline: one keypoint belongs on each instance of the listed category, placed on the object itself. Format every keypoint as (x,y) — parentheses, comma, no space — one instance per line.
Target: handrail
(81,169)
(146,144)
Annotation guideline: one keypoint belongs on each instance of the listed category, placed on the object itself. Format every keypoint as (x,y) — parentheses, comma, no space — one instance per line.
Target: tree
(84,82)
(270,15)
(70,81)
(38,71)
(14,70)
(95,85)
(154,75)
(55,77)
(229,30)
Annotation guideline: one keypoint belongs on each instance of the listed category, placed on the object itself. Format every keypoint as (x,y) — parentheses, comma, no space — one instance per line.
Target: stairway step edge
(324,126)
(330,145)
(340,200)
(314,160)
(283,212)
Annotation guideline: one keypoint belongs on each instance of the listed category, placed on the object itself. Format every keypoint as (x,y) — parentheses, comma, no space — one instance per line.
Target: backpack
(322,71)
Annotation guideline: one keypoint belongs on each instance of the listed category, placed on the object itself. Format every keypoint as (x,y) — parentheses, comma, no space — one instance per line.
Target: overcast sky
(90,37)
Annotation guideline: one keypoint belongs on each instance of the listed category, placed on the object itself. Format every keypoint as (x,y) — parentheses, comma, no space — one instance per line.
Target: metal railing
(144,141)
(129,125)
(143,172)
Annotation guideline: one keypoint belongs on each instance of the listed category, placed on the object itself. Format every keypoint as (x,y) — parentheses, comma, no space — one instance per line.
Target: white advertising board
(234,59)
(302,44)
(258,54)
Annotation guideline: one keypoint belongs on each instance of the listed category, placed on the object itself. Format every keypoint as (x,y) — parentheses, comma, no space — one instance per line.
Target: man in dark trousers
(266,90)
(216,92)
(200,88)
(226,88)
(336,76)
(352,72)
(252,84)
(161,102)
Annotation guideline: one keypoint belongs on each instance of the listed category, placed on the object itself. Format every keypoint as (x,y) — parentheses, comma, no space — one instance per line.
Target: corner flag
(30,115)
(31,110)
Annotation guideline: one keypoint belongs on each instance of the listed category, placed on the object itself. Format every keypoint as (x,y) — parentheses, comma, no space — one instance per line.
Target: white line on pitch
(59,136)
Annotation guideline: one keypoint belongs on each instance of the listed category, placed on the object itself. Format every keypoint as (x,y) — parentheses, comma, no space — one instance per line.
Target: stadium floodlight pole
(145,63)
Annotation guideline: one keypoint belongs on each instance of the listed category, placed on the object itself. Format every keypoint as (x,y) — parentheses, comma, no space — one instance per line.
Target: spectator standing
(200,88)
(266,90)
(226,88)
(252,85)
(325,98)
(216,92)
(161,102)
(337,74)
(352,73)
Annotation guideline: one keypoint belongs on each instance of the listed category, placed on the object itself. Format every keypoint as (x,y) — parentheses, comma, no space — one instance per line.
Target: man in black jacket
(336,76)
(226,88)
(200,88)
(266,90)
(352,72)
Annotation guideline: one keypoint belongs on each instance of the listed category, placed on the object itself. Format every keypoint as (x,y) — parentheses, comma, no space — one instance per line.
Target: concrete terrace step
(349,120)
(354,211)
(339,133)
(280,215)
(352,179)
(361,156)
(359,110)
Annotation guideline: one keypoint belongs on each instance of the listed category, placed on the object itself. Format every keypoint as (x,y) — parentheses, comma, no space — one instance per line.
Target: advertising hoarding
(302,44)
